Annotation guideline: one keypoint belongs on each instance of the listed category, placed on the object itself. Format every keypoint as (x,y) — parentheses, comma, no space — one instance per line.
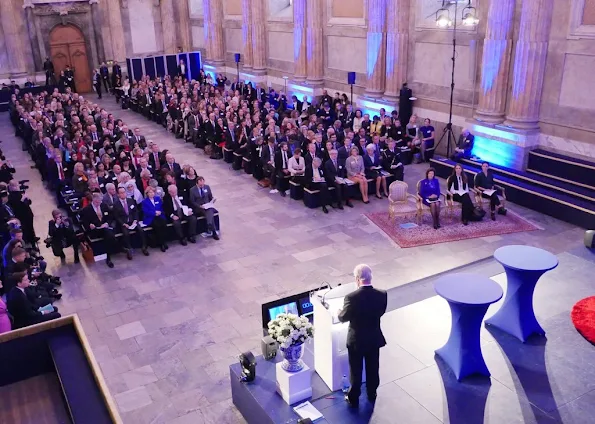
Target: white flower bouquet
(290,330)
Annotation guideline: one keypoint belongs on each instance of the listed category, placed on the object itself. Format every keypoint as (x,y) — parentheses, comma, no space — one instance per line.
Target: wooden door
(68,47)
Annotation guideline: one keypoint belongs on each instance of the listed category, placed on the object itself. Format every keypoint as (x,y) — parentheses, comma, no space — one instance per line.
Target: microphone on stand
(322,284)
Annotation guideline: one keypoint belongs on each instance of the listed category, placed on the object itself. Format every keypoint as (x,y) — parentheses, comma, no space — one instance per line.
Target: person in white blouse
(357,121)
(458,188)
(297,166)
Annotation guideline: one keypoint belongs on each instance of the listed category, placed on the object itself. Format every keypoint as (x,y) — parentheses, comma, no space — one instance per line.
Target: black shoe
(183,242)
(348,204)
(350,403)
(340,206)
(282,193)
(324,209)
(145,251)
(493,215)
(439,226)
(56,281)
(435,226)
(366,202)
(465,222)
(215,235)
(129,254)
(163,248)
(109,263)
(192,239)
(378,196)
(166,246)
(502,211)
(57,296)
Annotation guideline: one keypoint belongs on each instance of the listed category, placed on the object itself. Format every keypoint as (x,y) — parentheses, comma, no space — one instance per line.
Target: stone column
(117,31)
(213,21)
(259,43)
(397,42)
(314,41)
(299,40)
(168,24)
(32,33)
(14,46)
(376,41)
(495,63)
(183,25)
(529,64)
(97,24)
(247,34)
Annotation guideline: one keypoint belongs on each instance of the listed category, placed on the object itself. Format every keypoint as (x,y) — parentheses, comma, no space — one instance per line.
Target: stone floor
(165,328)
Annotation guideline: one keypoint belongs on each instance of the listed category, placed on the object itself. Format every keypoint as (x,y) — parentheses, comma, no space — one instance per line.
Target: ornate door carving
(68,47)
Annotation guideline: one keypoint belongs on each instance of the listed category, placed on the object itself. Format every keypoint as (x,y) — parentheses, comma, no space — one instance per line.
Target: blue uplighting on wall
(374,46)
(494,151)
(490,70)
(297,42)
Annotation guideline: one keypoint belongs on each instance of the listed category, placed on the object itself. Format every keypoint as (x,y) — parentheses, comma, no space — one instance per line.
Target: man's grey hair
(317,161)
(97,196)
(110,185)
(363,272)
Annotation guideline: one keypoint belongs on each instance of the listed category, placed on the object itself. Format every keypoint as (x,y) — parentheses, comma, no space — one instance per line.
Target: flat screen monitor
(306,306)
(288,308)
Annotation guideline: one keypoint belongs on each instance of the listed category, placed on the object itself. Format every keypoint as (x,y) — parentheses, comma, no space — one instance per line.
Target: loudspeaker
(351,78)
(590,239)
(269,347)
(237,57)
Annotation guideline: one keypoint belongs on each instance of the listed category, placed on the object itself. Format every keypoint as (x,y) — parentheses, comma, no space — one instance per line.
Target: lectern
(330,352)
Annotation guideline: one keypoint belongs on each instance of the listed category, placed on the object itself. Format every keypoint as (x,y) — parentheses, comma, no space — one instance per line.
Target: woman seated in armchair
(429,191)
(458,188)
(354,165)
(372,169)
(484,184)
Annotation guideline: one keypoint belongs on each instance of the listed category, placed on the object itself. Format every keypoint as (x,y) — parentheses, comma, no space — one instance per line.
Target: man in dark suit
(98,222)
(363,309)
(126,214)
(137,137)
(199,195)
(267,158)
(391,160)
(211,130)
(334,169)
(104,73)
(174,212)
(155,159)
(464,146)
(281,162)
(21,308)
(182,70)
(172,166)
(48,67)
(116,72)
(61,235)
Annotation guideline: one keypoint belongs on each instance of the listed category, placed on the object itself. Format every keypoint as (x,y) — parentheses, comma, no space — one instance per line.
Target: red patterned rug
(452,228)
(583,318)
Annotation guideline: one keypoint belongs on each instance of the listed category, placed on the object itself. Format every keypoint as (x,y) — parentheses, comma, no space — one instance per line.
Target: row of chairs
(403,203)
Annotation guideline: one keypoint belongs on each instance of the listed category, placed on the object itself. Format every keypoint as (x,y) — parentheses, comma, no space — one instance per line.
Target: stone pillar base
(502,145)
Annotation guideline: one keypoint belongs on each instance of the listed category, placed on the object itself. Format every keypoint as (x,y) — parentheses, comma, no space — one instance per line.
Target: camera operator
(61,235)
(6,169)
(7,215)
(21,206)
(43,289)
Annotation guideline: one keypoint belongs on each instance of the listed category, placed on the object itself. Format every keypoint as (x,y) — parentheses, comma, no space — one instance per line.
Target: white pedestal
(294,386)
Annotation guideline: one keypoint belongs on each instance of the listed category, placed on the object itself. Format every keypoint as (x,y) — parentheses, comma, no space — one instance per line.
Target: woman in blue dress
(429,191)
(427,134)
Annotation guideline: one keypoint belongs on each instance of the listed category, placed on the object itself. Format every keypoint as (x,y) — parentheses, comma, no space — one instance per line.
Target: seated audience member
(172,166)
(23,311)
(333,170)
(158,190)
(297,166)
(98,223)
(61,235)
(5,325)
(282,167)
(267,159)
(43,290)
(110,195)
(427,134)
(372,170)
(315,181)
(173,206)
(354,166)
(485,181)
(464,145)
(429,191)
(391,160)
(200,195)
(153,216)
(459,188)
(79,179)
(126,214)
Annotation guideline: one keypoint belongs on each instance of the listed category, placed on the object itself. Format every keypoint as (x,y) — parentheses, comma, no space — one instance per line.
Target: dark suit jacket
(330,171)
(88,216)
(196,200)
(175,168)
(363,309)
(168,205)
(20,307)
(120,213)
(266,154)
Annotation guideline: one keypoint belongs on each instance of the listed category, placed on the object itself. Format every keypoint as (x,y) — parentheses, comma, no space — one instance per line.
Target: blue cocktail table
(524,265)
(469,297)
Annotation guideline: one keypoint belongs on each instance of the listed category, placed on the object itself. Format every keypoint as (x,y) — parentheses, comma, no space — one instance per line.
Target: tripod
(448,131)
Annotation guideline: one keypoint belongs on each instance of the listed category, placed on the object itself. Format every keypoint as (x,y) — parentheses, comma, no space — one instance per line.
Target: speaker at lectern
(330,353)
